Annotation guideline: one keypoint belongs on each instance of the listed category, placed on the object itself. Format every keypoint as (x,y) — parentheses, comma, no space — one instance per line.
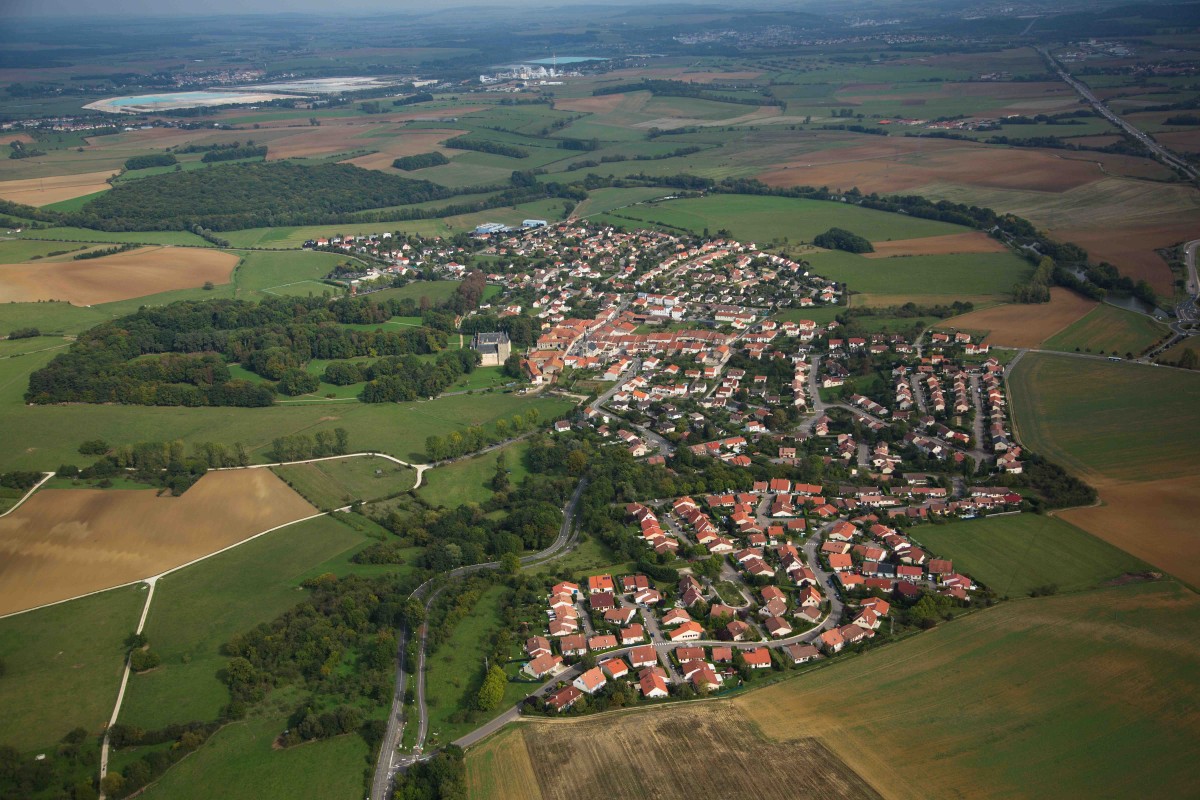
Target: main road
(1146,139)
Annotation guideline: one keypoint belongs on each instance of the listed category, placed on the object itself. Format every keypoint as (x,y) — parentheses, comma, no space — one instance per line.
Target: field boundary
(45,477)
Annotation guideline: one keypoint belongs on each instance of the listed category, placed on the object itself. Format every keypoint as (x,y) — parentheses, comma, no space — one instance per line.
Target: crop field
(68,234)
(963,276)
(117,277)
(1104,420)
(332,484)
(242,760)
(1094,693)
(65,542)
(665,752)
(63,665)
(500,769)
(972,242)
(1013,554)
(469,481)
(198,609)
(1021,324)
(1108,329)
(16,251)
(43,191)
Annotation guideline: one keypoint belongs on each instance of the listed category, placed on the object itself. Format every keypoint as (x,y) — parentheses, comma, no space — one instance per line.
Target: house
(736,631)
(644,656)
(686,654)
(543,666)
(801,653)
(563,627)
(602,641)
(591,681)
(652,684)
(615,667)
(574,645)
(620,616)
(602,601)
(757,658)
(777,627)
(537,646)
(565,587)
(689,631)
(832,641)
(601,583)
(676,616)
(632,635)
(722,655)
(563,698)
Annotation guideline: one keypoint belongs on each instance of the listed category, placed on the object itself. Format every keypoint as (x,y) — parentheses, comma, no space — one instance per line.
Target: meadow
(469,480)
(1092,692)
(333,484)
(1013,555)
(1108,329)
(198,609)
(950,277)
(63,665)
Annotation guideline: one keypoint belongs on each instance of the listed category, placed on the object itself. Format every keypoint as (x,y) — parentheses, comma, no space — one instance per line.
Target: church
(494,348)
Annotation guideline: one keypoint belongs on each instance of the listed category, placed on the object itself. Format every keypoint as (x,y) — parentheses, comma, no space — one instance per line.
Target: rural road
(1141,136)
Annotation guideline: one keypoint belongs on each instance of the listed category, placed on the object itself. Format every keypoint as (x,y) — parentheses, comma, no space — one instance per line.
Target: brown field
(406,144)
(685,74)
(1022,325)
(66,542)
(670,753)
(9,138)
(601,104)
(1132,248)
(1153,520)
(1181,141)
(971,242)
(41,191)
(500,769)
(137,273)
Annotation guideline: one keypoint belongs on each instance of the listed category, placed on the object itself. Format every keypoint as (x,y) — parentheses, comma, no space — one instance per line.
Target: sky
(157,8)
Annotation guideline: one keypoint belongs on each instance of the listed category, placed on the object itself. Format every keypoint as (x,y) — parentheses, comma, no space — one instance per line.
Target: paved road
(1187,311)
(389,760)
(1148,141)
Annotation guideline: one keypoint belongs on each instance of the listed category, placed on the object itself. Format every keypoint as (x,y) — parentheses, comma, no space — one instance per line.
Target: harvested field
(1021,325)
(9,138)
(1186,141)
(42,191)
(1132,248)
(1108,329)
(500,769)
(600,104)
(683,74)
(1153,520)
(1092,693)
(66,542)
(406,144)
(666,753)
(972,242)
(136,273)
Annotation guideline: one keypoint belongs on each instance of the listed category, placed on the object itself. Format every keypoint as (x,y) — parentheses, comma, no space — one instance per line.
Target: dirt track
(66,542)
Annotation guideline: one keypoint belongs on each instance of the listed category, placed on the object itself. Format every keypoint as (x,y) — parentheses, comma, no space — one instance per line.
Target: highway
(1146,139)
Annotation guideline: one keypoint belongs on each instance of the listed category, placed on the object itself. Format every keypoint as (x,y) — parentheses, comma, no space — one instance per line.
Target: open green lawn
(63,666)
(198,609)
(66,234)
(1014,554)
(469,481)
(960,275)
(292,272)
(1084,695)
(241,761)
(14,251)
(1108,329)
(53,317)
(763,219)
(1117,420)
(333,484)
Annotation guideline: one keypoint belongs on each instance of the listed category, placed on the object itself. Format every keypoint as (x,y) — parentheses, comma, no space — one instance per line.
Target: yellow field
(1024,325)
(66,542)
(136,273)
(42,191)
(500,769)
(972,242)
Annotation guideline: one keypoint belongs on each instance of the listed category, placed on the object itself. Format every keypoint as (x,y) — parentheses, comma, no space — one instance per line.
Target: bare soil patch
(137,273)
(42,191)
(1187,141)
(668,753)
(1020,325)
(65,542)
(601,104)
(1132,248)
(9,138)
(971,242)
(1153,520)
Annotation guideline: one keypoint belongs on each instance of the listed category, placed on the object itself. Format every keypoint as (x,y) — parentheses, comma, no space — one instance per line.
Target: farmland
(65,542)
(1024,325)
(983,275)
(332,484)
(1047,669)
(1108,329)
(63,666)
(662,752)
(117,277)
(1013,555)
(468,481)
(43,191)
(198,609)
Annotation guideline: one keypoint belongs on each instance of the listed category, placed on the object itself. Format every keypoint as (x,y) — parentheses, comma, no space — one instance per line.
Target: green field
(1092,693)
(53,317)
(1096,417)
(198,609)
(1108,329)
(332,484)
(763,219)
(63,666)
(240,759)
(1013,554)
(469,480)
(65,234)
(951,276)
(292,272)
(14,251)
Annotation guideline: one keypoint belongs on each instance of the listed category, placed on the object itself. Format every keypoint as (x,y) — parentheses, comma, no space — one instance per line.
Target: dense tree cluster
(151,160)
(468,142)
(299,446)
(397,379)
(842,239)
(64,772)
(420,161)
(668,88)
(247,150)
(251,195)
(24,333)
(443,777)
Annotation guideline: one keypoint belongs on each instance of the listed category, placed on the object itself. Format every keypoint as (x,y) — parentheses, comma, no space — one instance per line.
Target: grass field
(957,276)
(1108,420)
(63,666)
(64,542)
(65,234)
(1108,329)
(1013,554)
(469,481)
(332,484)
(198,609)
(14,251)
(1094,693)
(240,759)
(48,317)
(500,769)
